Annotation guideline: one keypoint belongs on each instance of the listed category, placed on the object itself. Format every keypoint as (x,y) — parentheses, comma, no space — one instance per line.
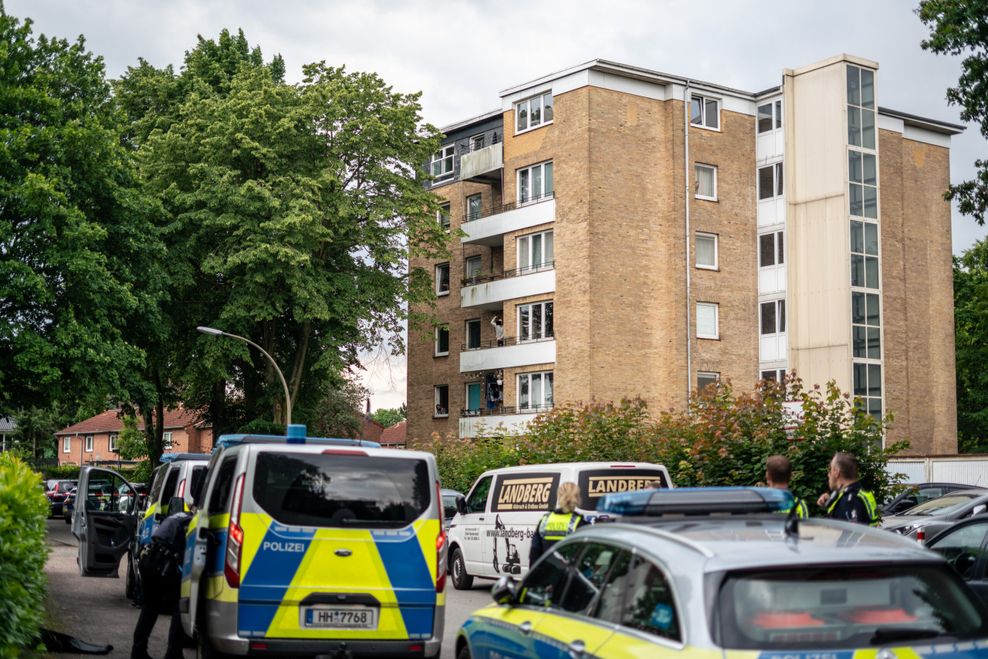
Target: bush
(23,511)
(69,472)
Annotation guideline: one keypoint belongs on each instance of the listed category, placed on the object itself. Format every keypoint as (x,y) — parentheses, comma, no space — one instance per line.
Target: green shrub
(70,472)
(23,511)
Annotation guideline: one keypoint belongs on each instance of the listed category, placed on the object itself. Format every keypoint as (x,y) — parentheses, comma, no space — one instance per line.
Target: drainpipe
(686,200)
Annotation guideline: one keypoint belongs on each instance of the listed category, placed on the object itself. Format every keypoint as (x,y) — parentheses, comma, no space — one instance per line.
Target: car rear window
(595,483)
(942,506)
(334,490)
(845,607)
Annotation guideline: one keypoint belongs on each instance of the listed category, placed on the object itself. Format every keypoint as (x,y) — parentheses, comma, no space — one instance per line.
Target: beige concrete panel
(816,134)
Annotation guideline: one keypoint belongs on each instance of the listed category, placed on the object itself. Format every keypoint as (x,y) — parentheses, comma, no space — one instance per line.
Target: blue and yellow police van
(304,546)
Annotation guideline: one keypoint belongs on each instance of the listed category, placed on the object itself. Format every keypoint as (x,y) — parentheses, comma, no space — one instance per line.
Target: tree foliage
(971,330)
(723,439)
(958,27)
(339,411)
(389,416)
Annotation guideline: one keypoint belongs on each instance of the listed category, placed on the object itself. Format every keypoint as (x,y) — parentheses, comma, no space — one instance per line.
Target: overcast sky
(461,54)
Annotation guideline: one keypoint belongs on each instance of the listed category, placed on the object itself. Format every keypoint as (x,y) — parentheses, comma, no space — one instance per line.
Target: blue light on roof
(696,501)
(226,441)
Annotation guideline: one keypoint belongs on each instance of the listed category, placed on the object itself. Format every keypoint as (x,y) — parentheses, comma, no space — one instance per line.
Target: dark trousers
(160,598)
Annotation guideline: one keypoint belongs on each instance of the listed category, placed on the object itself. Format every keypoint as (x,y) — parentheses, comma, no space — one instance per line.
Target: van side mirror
(461,505)
(505,591)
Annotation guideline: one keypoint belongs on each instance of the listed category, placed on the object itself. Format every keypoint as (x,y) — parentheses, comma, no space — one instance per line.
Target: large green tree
(960,27)
(76,245)
(971,328)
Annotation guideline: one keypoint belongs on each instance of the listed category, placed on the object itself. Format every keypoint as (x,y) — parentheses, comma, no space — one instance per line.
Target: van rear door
(341,543)
(597,481)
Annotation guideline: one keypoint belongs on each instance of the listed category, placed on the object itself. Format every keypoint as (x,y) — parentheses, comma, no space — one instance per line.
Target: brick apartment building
(643,234)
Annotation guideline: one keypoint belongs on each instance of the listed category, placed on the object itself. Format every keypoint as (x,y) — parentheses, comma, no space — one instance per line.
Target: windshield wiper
(888,634)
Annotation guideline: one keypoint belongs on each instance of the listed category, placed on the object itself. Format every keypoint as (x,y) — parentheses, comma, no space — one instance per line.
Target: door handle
(577,648)
(203,532)
(525,628)
(480,519)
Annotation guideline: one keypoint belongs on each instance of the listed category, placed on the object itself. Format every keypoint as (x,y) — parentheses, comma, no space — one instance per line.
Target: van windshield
(333,490)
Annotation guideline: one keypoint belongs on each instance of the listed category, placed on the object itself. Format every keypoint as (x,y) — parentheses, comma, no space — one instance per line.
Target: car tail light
(440,545)
(921,535)
(234,537)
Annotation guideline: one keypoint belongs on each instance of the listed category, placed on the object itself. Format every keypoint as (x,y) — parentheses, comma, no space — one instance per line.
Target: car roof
(753,541)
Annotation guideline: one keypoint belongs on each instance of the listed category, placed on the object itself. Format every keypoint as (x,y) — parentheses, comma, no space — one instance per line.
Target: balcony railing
(504,208)
(507,341)
(507,274)
(503,410)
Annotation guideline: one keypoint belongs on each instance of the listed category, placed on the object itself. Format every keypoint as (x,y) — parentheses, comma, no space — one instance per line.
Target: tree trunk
(278,411)
(298,370)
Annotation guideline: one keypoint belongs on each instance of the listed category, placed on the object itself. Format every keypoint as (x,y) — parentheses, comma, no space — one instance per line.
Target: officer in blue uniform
(848,500)
(558,524)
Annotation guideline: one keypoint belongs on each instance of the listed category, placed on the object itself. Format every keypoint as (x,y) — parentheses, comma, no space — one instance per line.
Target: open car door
(102,526)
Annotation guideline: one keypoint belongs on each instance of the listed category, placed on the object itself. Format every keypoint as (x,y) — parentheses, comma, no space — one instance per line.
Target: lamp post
(288,399)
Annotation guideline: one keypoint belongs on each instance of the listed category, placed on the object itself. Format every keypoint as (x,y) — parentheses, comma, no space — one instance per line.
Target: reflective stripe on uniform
(869,501)
(556,526)
(802,510)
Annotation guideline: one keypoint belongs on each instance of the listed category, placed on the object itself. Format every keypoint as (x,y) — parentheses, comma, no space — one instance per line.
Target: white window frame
(704,119)
(478,142)
(470,217)
(66,445)
(436,414)
(113,442)
(167,440)
(696,175)
(439,268)
(543,404)
(467,275)
(778,374)
(696,251)
(89,444)
(435,344)
(778,254)
(526,253)
(776,116)
(780,317)
(443,216)
(716,311)
(443,157)
(778,175)
(543,194)
(466,334)
(531,306)
(540,99)
(710,375)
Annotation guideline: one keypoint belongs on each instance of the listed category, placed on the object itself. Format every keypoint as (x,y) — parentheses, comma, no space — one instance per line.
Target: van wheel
(461,580)
(464,652)
(205,649)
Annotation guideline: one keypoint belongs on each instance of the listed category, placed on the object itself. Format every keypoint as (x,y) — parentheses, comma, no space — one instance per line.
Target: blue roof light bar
(232,440)
(696,501)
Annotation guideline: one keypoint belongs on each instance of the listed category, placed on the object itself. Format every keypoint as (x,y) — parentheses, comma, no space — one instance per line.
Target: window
(533,112)
(535,250)
(770,181)
(473,207)
(473,334)
(592,567)
(477,499)
(771,249)
(477,142)
(706,251)
(773,317)
(706,182)
(442,216)
(866,330)
(471,268)
(441,392)
(474,392)
(442,162)
(113,442)
(705,112)
(166,441)
(864,254)
(66,444)
(649,605)
(535,182)
(534,321)
(962,548)
(442,279)
(535,391)
(769,116)
(222,486)
(862,170)
(860,107)
(545,583)
(610,605)
(775,374)
(89,443)
(706,379)
(707,321)
(442,341)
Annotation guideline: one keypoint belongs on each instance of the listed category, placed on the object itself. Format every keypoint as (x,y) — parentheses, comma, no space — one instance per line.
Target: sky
(460,54)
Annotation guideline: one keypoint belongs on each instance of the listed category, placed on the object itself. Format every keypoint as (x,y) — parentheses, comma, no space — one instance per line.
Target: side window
(588,578)
(962,548)
(544,584)
(222,487)
(171,482)
(927,493)
(477,501)
(156,484)
(609,605)
(198,475)
(649,604)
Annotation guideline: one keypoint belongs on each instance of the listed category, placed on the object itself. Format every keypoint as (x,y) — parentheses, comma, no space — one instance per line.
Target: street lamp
(288,399)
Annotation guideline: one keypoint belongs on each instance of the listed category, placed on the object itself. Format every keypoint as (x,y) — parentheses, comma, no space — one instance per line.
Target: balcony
(489,228)
(513,420)
(484,164)
(491,291)
(491,357)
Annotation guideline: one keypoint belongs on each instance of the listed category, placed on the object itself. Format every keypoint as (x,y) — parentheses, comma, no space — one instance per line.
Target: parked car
(56,491)
(100,497)
(913,495)
(449,504)
(965,546)
(67,505)
(937,514)
(125,494)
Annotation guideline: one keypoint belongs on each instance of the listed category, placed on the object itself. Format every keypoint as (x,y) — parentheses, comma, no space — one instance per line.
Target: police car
(720,574)
(304,546)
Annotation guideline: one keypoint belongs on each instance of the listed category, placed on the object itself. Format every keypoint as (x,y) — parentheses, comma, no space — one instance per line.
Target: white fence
(968,469)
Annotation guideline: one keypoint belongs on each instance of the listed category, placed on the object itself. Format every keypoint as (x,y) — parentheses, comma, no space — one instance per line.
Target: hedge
(23,551)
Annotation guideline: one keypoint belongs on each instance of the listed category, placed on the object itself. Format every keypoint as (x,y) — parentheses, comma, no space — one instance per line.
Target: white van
(492,531)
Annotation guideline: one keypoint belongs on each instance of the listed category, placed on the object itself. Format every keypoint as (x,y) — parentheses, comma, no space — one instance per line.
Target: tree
(957,27)
(971,330)
(75,239)
(132,443)
(389,416)
(35,433)
(338,413)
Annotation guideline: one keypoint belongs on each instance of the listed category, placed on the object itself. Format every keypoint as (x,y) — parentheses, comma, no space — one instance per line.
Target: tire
(464,652)
(458,570)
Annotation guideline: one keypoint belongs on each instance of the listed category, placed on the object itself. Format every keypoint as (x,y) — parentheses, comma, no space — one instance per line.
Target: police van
(491,534)
(304,546)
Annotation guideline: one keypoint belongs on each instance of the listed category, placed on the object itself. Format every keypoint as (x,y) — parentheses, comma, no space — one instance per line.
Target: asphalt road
(95,610)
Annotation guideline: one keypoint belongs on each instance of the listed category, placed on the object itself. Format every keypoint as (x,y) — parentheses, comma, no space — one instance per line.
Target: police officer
(778,471)
(558,524)
(848,500)
(160,567)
